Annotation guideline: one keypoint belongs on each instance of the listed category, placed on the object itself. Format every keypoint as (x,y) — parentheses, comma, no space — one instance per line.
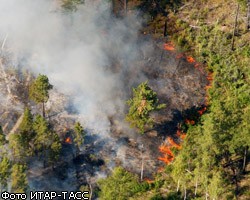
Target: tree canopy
(19,182)
(143,102)
(39,90)
(4,172)
(119,186)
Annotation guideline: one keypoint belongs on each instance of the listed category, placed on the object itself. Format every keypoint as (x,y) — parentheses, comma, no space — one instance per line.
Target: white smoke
(74,50)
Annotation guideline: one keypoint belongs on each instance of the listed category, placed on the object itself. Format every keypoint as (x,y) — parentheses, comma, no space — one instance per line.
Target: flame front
(190,59)
(187,121)
(169,46)
(68,140)
(168,155)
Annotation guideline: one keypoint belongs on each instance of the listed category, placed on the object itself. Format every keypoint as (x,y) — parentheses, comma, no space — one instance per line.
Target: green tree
(144,101)
(2,137)
(55,149)
(39,91)
(26,131)
(71,5)
(79,135)
(4,173)
(19,182)
(42,140)
(46,141)
(119,186)
(41,128)
(17,146)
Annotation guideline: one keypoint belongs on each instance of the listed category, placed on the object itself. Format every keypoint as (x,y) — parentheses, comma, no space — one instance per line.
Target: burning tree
(39,90)
(144,101)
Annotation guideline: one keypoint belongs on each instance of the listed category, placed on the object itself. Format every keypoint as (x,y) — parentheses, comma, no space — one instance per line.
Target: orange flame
(168,156)
(190,59)
(161,169)
(68,140)
(148,180)
(166,150)
(180,134)
(172,142)
(183,136)
(210,76)
(208,87)
(197,65)
(169,46)
(166,159)
(180,56)
(191,122)
(202,110)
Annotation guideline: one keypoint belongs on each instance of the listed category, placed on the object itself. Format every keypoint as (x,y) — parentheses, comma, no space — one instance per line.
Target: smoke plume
(76,50)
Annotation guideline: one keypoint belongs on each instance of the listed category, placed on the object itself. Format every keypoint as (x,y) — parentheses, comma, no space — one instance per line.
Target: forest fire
(210,76)
(191,122)
(68,140)
(173,143)
(161,169)
(180,134)
(190,59)
(165,149)
(168,155)
(149,181)
(169,46)
(181,55)
(201,112)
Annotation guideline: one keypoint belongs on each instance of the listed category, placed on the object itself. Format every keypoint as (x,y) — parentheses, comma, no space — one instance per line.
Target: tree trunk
(196,185)
(245,159)
(125,6)
(90,192)
(142,164)
(235,181)
(185,193)
(165,29)
(248,15)
(43,107)
(235,25)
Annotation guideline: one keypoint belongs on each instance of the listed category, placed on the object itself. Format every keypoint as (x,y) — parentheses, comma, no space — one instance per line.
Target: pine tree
(2,137)
(46,141)
(39,91)
(79,134)
(17,146)
(26,131)
(119,186)
(144,102)
(55,149)
(19,182)
(4,173)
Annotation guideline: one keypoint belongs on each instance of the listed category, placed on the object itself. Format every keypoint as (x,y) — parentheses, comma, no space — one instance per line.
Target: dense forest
(164,112)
